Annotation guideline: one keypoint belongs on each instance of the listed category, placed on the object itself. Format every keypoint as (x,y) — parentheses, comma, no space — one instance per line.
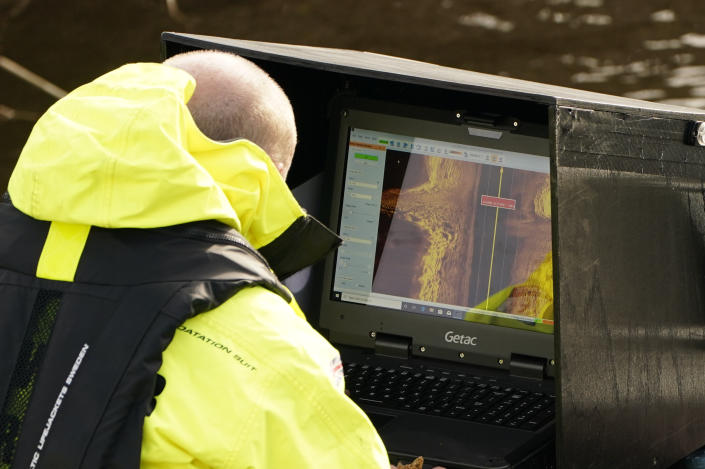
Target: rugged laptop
(441,296)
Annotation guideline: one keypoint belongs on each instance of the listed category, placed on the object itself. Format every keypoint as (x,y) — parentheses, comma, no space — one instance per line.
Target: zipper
(216,236)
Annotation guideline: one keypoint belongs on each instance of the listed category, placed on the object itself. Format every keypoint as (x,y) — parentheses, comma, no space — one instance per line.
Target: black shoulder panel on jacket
(306,241)
(193,251)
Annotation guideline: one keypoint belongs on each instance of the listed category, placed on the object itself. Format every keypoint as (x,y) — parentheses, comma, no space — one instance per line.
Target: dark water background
(653,50)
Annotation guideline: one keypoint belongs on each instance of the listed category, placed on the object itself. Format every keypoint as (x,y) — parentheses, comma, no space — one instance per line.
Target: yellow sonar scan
(452,230)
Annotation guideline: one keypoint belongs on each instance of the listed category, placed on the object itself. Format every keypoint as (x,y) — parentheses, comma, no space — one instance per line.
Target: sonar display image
(461,233)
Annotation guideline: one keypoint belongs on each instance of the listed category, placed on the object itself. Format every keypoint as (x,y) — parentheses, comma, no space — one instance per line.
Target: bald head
(234,98)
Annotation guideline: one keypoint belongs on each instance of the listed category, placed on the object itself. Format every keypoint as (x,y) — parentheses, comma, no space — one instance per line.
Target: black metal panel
(400,70)
(630,221)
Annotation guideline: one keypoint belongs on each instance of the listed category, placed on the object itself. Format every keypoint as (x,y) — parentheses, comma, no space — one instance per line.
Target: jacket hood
(124,152)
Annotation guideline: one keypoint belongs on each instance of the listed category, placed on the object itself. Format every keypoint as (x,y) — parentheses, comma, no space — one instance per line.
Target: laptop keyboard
(449,394)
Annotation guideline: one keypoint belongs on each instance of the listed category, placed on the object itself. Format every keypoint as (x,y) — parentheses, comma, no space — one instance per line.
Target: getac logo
(453,338)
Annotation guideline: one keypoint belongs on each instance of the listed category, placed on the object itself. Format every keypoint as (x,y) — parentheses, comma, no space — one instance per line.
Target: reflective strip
(62,251)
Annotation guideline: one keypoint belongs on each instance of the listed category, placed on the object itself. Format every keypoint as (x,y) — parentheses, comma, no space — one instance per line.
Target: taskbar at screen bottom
(527,323)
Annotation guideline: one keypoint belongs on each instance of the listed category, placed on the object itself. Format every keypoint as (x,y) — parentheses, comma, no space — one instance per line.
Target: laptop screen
(444,220)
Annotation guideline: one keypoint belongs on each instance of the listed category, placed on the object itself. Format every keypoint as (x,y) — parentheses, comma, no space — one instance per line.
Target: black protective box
(628,205)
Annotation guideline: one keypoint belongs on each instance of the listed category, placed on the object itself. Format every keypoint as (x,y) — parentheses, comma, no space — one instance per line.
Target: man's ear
(281,167)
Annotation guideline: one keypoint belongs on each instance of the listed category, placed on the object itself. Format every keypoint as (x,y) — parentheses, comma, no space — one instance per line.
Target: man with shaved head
(143,323)
(237,99)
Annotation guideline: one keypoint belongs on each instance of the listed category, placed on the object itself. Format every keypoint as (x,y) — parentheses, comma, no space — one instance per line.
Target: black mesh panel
(25,373)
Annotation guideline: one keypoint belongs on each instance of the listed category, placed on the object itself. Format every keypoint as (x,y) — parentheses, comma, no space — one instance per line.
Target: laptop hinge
(527,366)
(392,345)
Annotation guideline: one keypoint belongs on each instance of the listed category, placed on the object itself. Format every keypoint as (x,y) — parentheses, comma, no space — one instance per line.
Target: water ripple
(693,76)
(694,40)
(487,21)
(663,44)
(663,16)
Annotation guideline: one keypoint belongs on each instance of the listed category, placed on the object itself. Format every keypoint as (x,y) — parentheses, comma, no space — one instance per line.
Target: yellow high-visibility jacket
(249,384)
